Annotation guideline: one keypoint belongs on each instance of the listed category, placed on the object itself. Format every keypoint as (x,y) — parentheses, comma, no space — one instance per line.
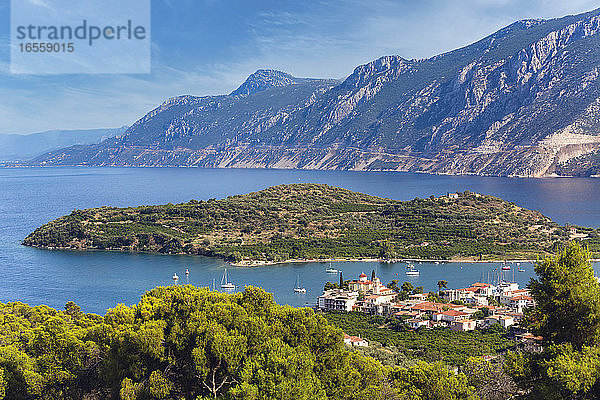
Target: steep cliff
(523,101)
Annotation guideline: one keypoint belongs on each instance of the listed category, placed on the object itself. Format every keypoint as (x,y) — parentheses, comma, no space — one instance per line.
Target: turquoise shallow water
(99,280)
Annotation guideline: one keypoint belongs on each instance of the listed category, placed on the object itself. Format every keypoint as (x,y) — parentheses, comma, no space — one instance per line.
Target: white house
(504,320)
(416,323)
(450,316)
(337,300)
(464,325)
(355,341)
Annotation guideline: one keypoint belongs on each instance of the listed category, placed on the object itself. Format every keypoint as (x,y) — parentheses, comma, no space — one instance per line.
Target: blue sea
(99,280)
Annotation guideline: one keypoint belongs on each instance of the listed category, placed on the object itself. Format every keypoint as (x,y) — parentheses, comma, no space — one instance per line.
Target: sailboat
(412,271)
(331,270)
(298,288)
(225,284)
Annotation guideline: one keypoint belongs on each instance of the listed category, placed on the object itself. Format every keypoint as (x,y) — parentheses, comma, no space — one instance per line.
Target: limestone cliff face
(524,101)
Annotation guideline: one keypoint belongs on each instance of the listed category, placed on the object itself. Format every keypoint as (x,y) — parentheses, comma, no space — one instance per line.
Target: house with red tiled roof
(450,316)
(530,342)
(355,341)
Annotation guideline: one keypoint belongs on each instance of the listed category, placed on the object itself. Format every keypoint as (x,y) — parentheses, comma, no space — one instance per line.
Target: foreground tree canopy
(183,342)
(567,316)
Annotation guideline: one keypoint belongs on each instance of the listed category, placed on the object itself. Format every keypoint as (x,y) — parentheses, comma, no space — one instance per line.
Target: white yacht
(331,270)
(225,284)
(412,271)
(298,288)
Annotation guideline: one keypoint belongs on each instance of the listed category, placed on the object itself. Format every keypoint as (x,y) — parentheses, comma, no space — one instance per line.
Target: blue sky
(204,47)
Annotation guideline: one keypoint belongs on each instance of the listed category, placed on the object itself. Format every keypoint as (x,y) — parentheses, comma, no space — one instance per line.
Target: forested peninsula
(315,221)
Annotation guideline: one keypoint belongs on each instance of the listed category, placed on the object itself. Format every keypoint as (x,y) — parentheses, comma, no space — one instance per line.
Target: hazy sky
(204,47)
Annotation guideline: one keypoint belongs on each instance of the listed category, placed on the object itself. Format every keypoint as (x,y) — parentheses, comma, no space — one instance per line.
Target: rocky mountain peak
(264,79)
(386,65)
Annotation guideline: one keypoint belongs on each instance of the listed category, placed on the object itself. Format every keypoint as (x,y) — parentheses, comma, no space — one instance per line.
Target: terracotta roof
(530,336)
(463,321)
(522,297)
(353,338)
(407,313)
(453,313)
(363,275)
(362,282)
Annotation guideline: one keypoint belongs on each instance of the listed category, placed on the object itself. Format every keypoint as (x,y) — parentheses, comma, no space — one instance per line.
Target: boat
(521,270)
(175,277)
(412,271)
(298,288)
(187,271)
(505,268)
(225,284)
(331,270)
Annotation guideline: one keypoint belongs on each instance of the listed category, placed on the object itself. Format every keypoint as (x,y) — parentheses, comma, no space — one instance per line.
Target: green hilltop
(315,221)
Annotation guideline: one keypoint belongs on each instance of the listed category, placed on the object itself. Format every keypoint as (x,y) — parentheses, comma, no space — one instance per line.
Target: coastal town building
(464,325)
(462,309)
(451,316)
(355,341)
(416,323)
(362,285)
(505,321)
(337,300)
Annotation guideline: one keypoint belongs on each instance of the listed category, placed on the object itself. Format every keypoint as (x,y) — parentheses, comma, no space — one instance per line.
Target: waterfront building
(337,300)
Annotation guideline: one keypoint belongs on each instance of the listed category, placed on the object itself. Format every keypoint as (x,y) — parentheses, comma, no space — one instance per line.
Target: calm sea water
(99,280)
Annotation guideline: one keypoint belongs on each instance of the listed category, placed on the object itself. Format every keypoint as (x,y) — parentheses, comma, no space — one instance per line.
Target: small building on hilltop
(355,341)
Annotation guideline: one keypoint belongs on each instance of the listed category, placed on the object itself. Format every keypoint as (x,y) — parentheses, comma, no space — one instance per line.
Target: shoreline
(19,165)
(263,263)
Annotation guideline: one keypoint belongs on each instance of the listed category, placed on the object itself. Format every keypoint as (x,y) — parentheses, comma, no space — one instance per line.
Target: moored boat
(225,284)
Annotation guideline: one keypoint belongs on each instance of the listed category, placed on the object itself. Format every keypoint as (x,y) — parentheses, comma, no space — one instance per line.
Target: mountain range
(15,147)
(523,101)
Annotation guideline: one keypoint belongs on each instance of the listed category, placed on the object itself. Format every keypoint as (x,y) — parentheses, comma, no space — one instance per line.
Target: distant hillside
(22,147)
(306,221)
(523,101)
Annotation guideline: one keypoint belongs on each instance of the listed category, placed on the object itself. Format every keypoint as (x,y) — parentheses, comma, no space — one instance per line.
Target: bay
(99,280)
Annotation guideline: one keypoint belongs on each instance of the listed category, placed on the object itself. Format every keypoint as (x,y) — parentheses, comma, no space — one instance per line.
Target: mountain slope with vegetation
(314,221)
(522,101)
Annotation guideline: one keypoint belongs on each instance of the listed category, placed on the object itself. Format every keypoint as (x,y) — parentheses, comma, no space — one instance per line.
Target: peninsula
(314,221)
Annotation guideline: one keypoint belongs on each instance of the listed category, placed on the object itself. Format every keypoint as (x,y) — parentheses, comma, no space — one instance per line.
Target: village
(479,306)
